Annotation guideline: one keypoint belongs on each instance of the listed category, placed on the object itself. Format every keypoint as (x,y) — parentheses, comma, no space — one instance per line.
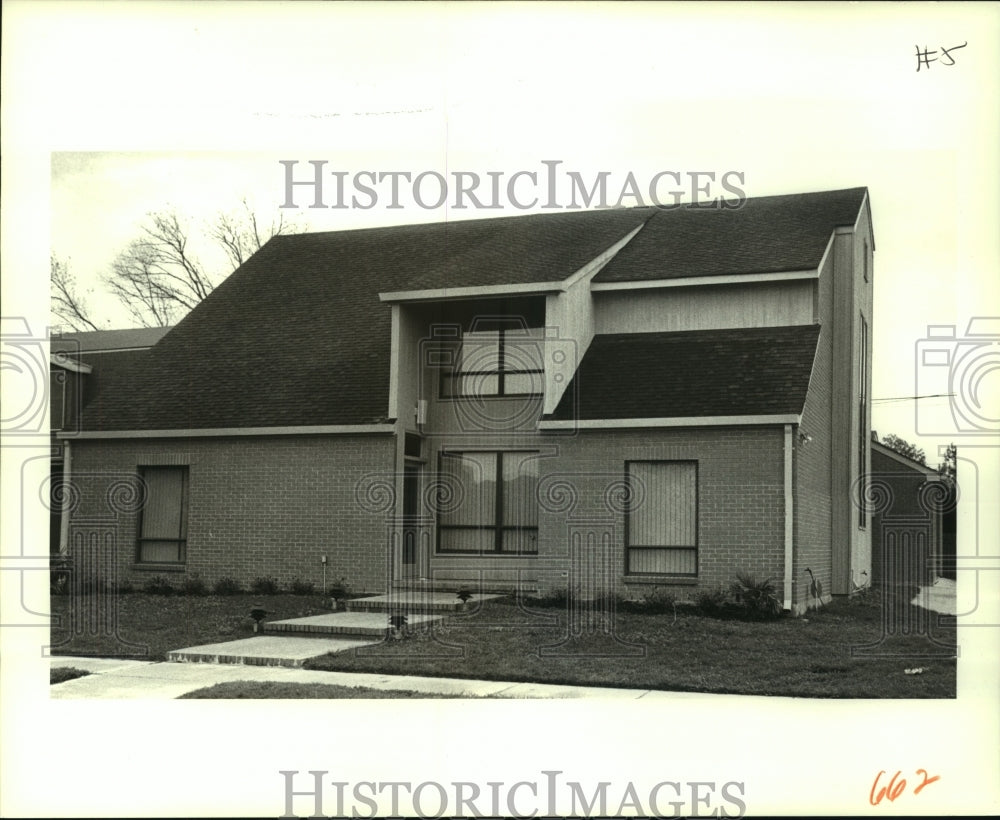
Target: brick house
(588,401)
(908,509)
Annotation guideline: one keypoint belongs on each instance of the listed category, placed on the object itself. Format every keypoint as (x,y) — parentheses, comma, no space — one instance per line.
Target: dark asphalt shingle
(297,336)
(768,234)
(746,371)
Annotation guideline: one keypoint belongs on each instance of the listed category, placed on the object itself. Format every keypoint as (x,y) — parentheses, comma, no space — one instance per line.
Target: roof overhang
(776,419)
(723,279)
(225,432)
(477,292)
(64,361)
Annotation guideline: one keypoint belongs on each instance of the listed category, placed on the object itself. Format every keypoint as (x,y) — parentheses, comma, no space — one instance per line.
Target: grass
(804,657)
(801,657)
(142,626)
(61,674)
(272,689)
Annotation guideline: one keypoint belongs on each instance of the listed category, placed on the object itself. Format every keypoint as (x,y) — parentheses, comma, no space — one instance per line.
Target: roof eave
(760,420)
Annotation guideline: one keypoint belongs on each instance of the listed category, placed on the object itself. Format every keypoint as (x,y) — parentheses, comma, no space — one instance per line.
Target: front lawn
(805,657)
(245,689)
(143,626)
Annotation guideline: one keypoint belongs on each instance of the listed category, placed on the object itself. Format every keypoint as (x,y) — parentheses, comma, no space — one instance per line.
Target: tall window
(862,415)
(661,523)
(487,504)
(163,525)
(500,361)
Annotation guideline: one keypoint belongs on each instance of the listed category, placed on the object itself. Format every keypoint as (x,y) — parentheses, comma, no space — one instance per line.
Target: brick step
(416,601)
(356,624)
(526,587)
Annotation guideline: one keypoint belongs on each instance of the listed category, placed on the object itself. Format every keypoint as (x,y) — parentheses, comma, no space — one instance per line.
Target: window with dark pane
(662,518)
(500,361)
(490,504)
(163,522)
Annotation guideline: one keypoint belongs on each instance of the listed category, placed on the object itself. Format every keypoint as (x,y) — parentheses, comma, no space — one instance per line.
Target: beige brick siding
(267,506)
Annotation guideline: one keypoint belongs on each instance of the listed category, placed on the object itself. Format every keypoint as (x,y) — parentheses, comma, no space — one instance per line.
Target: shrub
(711,602)
(557,598)
(657,601)
(226,586)
(757,599)
(194,586)
(60,567)
(264,585)
(158,585)
(60,674)
(300,587)
(125,587)
(338,589)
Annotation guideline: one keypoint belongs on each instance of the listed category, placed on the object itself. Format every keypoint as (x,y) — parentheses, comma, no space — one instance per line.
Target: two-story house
(595,401)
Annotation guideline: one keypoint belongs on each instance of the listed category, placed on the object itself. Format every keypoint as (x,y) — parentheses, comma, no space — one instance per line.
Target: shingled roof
(739,372)
(297,335)
(101,341)
(768,234)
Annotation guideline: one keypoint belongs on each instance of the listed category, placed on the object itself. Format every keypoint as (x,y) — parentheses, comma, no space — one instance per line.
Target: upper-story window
(497,358)
(864,260)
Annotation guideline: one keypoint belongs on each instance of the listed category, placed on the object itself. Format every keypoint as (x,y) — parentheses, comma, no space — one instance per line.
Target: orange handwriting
(897,785)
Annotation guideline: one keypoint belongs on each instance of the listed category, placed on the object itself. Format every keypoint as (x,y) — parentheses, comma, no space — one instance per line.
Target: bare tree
(159,278)
(68,305)
(136,281)
(241,235)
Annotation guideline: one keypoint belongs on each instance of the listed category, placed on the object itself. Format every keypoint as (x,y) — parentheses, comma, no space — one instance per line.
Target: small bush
(658,601)
(158,585)
(338,589)
(194,586)
(60,674)
(264,585)
(60,567)
(300,587)
(711,602)
(757,599)
(226,586)
(558,598)
(125,587)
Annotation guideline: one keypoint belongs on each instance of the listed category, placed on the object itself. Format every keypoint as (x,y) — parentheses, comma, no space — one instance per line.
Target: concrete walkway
(939,597)
(125,679)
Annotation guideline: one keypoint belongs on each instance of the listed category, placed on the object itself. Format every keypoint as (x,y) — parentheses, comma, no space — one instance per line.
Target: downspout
(789,518)
(67,498)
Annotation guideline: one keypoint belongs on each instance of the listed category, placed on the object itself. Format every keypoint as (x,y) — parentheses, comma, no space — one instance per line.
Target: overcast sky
(115,110)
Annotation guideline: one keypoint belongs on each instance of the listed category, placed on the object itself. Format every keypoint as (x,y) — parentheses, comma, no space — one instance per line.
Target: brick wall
(813,460)
(257,506)
(740,504)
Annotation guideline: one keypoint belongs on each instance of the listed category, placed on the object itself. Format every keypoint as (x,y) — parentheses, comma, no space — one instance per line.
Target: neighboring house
(73,382)
(908,502)
(592,401)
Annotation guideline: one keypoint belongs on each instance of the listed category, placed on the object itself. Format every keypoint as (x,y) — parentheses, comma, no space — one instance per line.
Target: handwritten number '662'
(897,785)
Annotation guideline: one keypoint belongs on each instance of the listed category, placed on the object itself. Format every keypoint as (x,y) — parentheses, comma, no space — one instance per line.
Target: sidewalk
(938,597)
(125,679)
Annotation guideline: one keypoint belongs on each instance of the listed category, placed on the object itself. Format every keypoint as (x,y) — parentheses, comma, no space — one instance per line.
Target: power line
(914,398)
